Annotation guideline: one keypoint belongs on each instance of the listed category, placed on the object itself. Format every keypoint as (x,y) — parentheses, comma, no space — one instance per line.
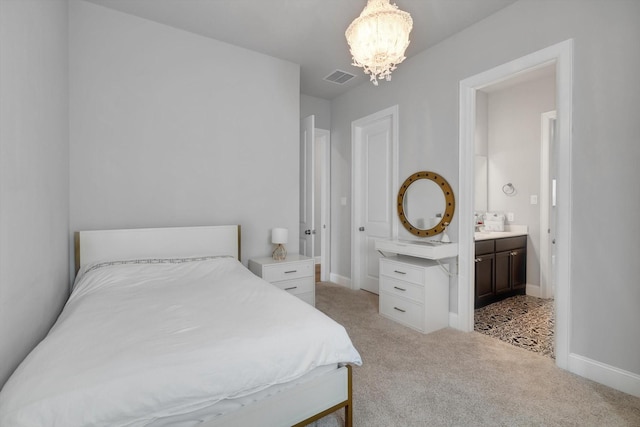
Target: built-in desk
(414,284)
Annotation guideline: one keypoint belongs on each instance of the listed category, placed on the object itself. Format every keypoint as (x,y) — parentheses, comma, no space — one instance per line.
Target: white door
(307,136)
(375,181)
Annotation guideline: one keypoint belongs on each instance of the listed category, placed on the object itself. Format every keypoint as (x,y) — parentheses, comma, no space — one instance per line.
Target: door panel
(375,145)
(503,272)
(484,273)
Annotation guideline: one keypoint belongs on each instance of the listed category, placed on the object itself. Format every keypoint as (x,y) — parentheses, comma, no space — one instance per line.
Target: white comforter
(140,342)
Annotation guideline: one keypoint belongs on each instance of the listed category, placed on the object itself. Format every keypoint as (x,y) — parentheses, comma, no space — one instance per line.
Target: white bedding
(139,342)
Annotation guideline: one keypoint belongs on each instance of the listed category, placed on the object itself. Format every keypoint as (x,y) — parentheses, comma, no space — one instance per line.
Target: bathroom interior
(514,203)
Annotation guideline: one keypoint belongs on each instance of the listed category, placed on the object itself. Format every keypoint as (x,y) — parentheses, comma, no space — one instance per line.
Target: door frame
(325,204)
(546,204)
(562,55)
(356,182)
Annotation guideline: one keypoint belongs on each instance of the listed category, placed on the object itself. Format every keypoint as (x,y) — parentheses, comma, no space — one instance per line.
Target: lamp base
(279,253)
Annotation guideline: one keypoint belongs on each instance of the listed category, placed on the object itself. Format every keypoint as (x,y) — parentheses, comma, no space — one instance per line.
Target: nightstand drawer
(288,271)
(296,286)
(402,288)
(401,310)
(295,275)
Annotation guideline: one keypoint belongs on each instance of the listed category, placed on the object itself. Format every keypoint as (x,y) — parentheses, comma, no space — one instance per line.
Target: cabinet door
(503,272)
(485,270)
(518,269)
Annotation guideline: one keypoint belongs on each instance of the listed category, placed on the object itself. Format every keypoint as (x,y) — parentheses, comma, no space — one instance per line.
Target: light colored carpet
(451,378)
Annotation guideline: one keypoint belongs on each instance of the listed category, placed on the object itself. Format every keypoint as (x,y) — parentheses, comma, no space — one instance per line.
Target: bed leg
(348,409)
(348,416)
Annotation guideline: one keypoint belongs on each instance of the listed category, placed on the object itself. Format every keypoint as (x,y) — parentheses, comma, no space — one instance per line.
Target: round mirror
(425,204)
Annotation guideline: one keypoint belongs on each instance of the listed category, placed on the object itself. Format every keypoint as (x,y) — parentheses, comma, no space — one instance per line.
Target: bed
(165,327)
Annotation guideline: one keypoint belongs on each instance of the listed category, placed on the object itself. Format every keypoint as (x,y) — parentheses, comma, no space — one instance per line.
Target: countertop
(510,231)
(486,235)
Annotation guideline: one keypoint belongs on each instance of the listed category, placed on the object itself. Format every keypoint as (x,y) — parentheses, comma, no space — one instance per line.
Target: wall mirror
(425,204)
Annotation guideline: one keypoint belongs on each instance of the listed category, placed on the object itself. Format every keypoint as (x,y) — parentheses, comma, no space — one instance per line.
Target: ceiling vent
(339,77)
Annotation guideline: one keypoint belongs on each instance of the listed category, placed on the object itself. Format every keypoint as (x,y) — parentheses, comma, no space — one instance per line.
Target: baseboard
(534,290)
(602,373)
(340,280)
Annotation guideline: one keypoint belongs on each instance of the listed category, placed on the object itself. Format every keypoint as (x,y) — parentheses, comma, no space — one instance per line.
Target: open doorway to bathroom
(561,56)
(513,161)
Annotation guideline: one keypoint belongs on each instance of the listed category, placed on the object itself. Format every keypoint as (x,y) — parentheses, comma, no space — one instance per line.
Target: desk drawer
(401,288)
(401,310)
(277,272)
(401,271)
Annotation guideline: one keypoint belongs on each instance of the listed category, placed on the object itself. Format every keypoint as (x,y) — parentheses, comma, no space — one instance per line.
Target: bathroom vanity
(500,266)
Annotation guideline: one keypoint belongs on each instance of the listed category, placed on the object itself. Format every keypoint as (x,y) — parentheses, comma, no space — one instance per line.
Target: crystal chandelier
(378,38)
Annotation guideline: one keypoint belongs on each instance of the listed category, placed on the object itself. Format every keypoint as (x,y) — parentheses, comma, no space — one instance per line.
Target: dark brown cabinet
(500,269)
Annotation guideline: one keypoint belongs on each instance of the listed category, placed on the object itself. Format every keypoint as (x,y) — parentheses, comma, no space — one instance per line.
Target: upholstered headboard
(172,242)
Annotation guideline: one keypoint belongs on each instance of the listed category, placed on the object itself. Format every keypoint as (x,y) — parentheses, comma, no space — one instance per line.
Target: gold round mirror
(425,204)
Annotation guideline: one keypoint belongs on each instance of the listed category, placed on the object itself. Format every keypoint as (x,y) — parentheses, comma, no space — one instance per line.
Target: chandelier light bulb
(378,38)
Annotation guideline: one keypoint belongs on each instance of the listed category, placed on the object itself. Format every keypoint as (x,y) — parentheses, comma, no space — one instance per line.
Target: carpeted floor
(452,378)
(524,321)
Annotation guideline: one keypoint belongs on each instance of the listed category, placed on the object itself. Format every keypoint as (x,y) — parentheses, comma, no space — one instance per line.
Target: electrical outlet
(510,216)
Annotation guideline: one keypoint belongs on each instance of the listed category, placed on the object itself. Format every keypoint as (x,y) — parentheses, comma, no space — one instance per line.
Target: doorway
(315,210)
(561,56)
(375,178)
(511,178)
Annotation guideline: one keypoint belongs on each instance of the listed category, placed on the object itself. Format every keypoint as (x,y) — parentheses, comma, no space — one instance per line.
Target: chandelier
(378,38)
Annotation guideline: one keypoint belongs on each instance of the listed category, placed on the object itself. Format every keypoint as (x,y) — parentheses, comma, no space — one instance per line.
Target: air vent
(339,77)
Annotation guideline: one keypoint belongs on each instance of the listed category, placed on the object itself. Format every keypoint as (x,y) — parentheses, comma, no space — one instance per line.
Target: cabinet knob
(478,259)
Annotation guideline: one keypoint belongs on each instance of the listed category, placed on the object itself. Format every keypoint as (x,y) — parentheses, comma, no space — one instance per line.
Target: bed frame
(296,406)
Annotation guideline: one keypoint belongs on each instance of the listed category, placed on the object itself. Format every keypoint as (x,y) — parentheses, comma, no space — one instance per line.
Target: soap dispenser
(445,237)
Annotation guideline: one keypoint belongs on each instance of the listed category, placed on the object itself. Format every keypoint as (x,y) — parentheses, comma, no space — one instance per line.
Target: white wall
(605,298)
(34,174)
(514,132)
(321,108)
(169,128)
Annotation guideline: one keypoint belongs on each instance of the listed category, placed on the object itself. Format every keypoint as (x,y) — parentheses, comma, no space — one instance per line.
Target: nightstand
(295,274)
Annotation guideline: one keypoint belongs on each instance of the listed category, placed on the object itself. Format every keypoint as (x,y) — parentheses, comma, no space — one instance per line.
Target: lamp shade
(279,236)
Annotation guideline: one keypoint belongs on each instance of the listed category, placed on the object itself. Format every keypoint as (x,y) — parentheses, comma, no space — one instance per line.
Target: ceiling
(306,32)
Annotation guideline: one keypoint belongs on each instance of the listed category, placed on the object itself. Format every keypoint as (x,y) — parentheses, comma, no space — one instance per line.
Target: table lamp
(279,238)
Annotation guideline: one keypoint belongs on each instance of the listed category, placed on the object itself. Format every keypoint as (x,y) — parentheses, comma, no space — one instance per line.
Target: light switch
(510,217)
(534,199)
